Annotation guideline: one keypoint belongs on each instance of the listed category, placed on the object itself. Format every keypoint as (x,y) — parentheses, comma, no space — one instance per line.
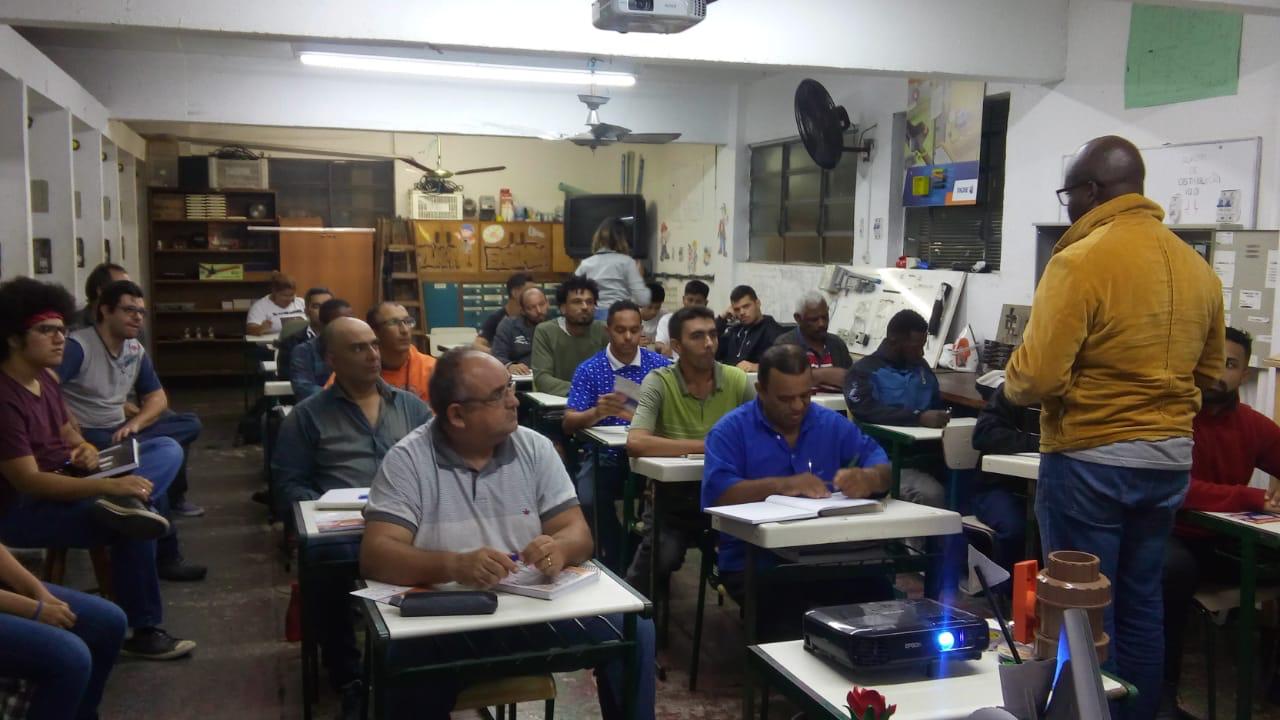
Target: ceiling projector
(647,16)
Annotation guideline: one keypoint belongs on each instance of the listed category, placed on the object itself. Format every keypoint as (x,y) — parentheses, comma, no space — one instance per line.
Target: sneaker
(186,509)
(129,517)
(181,571)
(156,644)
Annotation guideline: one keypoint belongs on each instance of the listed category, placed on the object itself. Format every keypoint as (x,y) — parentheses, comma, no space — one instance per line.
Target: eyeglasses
(48,330)
(407,322)
(494,397)
(133,310)
(1064,194)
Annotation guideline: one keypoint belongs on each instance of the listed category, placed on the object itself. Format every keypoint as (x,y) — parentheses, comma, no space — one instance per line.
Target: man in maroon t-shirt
(1231,441)
(43,502)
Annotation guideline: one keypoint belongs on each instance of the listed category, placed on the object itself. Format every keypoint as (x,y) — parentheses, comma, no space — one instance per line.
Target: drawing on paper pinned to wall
(721,232)
(706,256)
(1229,206)
(664,235)
(681,254)
(693,257)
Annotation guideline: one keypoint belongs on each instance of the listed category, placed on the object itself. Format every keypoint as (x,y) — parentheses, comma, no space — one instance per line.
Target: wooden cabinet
(340,261)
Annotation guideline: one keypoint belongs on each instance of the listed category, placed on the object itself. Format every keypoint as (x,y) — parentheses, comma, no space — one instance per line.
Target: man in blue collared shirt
(782,444)
(595,400)
(335,439)
(308,368)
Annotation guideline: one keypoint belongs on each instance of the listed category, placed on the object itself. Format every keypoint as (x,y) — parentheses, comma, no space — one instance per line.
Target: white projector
(647,16)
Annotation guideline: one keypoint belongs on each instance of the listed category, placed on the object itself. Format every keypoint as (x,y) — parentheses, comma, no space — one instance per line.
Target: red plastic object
(293,616)
(1024,600)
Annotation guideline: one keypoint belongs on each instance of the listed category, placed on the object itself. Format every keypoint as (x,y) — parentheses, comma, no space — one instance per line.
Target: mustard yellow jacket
(1125,330)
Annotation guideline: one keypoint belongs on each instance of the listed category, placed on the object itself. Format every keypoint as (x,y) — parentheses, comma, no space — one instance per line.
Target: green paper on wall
(1176,55)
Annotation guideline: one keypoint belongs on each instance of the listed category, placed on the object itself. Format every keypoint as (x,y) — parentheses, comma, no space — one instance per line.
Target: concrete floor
(245,670)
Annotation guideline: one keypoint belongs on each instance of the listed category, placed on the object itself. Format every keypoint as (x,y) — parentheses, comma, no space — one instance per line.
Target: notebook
(780,508)
(344,499)
(115,460)
(339,520)
(530,582)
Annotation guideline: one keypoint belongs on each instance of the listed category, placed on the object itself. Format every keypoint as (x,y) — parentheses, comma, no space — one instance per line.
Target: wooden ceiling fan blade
(473,171)
(648,138)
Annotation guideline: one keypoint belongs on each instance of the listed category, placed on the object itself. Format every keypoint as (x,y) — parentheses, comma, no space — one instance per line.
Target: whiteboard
(860,316)
(778,286)
(1191,180)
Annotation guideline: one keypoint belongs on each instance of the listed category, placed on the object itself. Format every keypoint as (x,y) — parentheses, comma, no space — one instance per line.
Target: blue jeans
(1124,516)
(37,523)
(609,534)
(183,427)
(67,669)
(434,701)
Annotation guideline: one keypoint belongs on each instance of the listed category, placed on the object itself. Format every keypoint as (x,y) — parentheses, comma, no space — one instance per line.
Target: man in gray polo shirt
(336,439)
(458,497)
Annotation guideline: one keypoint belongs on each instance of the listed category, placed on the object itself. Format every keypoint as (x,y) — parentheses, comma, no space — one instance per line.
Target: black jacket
(886,393)
(1005,429)
(746,342)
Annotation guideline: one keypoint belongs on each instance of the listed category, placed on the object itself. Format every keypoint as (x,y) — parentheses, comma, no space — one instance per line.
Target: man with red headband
(43,502)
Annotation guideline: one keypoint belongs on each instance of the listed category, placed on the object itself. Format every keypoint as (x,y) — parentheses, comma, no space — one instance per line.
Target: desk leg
(1248,625)
(628,515)
(631,669)
(310,659)
(895,467)
(660,605)
(749,610)
(248,368)
(595,505)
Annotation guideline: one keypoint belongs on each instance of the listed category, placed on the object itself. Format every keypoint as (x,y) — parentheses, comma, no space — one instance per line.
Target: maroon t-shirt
(32,426)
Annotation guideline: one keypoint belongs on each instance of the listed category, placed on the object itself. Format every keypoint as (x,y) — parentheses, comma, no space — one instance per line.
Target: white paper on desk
(837,501)
(993,573)
(1224,264)
(381,592)
(760,512)
(343,499)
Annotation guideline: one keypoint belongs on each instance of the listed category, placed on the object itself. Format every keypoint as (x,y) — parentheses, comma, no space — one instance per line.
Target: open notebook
(343,499)
(778,508)
(530,582)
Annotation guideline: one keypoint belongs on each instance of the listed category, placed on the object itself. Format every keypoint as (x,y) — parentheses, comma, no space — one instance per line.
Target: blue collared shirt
(308,372)
(594,377)
(326,442)
(743,446)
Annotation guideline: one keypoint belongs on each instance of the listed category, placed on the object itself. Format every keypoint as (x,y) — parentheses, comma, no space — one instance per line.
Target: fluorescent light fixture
(466,70)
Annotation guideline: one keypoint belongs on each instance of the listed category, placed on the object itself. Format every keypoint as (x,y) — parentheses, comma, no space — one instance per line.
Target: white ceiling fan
(600,134)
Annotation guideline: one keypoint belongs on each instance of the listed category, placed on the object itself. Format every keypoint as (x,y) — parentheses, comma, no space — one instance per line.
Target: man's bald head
(351,348)
(1102,169)
(533,304)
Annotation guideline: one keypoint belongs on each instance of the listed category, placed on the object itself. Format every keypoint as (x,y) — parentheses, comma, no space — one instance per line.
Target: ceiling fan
(438,172)
(600,134)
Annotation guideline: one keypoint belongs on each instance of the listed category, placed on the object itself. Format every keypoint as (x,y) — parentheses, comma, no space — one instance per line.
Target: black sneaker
(129,517)
(156,644)
(181,571)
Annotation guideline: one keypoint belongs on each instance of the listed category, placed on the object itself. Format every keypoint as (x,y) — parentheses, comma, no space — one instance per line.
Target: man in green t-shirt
(678,406)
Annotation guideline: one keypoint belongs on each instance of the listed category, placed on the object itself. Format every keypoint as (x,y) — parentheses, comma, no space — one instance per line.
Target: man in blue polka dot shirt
(594,400)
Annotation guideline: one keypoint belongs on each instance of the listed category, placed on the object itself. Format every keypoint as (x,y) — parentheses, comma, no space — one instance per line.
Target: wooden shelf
(219,221)
(197,251)
(198,312)
(193,281)
(183,341)
(404,276)
(401,248)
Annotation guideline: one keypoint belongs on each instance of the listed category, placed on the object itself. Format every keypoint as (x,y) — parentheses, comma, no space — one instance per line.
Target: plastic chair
(1214,603)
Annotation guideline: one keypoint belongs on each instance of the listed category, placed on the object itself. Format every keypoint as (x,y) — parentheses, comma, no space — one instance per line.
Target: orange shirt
(411,377)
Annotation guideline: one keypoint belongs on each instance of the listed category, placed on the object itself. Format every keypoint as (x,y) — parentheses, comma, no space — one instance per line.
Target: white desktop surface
(1022,465)
(972,684)
(613,436)
(267,339)
(547,400)
(899,519)
(668,469)
(924,434)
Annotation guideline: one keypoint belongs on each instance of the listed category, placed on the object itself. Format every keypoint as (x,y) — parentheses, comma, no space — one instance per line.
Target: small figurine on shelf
(210,334)
(186,333)
(867,704)
(199,334)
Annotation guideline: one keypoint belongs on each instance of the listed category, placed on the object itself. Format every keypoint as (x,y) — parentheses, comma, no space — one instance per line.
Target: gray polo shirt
(426,488)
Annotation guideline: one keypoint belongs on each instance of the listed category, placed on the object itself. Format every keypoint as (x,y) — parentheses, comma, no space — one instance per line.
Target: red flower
(867,704)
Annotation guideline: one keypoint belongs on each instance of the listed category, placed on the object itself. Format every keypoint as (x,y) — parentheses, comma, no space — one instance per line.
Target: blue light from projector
(946,640)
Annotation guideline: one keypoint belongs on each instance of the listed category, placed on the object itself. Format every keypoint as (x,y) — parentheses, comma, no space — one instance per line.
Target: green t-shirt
(668,410)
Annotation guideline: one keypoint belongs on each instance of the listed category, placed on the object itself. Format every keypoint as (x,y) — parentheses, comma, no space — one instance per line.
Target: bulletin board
(516,247)
(1248,264)
(861,311)
(447,246)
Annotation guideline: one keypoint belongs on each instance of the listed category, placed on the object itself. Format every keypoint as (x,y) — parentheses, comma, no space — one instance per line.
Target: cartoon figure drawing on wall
(706,257)
(681,258)
(663,236)
(720,229)
(693,257)
(468,236)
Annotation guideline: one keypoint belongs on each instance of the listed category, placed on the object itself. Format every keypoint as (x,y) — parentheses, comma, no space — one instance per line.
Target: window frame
(785,243)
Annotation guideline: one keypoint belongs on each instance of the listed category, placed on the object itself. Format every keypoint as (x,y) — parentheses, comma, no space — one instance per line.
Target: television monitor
(584,213)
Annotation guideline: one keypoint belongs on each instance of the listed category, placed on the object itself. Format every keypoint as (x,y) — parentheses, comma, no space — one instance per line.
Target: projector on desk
(893,634)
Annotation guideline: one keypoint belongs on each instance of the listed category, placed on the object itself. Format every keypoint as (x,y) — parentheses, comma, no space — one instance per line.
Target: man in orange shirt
(403,365)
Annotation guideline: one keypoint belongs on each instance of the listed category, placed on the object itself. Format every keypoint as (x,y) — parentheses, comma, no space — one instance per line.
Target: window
(965,234)
(800,213)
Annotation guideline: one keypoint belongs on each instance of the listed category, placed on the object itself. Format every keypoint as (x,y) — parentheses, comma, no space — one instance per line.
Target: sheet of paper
(1226,318)
(1224,264)
(760,512)
(1273,268)
(1226,238)
(1259,319)
(381,592)
(1226,299)
(1250,299)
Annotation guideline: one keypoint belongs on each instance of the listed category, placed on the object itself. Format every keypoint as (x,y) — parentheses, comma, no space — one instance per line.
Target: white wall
(1045,123)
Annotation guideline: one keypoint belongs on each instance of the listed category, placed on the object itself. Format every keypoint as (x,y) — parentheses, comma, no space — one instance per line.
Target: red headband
(41,317)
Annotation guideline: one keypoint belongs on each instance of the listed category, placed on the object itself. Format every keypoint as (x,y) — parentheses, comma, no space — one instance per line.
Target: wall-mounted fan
(600,133)
(823,125)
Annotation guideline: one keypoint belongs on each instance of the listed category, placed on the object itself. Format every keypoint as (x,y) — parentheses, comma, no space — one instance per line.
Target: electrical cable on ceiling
(235,152)
(436,185)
